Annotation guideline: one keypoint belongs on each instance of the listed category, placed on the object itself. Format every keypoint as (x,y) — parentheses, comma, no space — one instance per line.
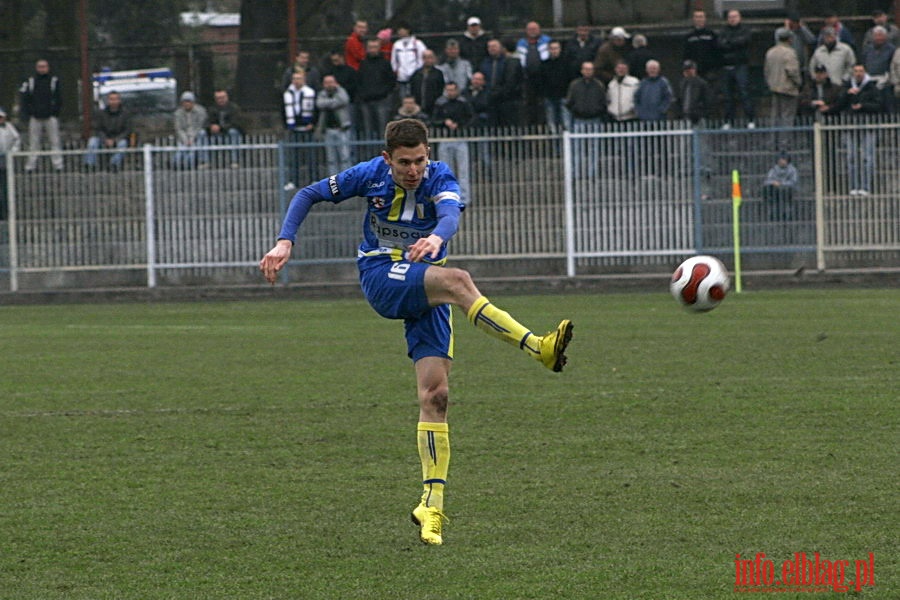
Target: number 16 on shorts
(398,271)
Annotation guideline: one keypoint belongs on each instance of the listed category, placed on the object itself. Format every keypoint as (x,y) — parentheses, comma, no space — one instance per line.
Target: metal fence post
(11,222)
(569,204)
(819,171)
(150,219)
(698,191)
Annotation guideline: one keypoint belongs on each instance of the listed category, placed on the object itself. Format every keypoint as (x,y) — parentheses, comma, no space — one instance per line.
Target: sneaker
(751,125)
(726,126)
(430,520)
(235,165)
(854,192)
(862,192)
(553,346)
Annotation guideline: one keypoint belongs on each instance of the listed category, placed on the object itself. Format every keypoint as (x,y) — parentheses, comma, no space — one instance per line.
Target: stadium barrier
(610,199)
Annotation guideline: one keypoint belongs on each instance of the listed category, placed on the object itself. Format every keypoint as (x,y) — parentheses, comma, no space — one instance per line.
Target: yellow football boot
(553,346)
(430,519)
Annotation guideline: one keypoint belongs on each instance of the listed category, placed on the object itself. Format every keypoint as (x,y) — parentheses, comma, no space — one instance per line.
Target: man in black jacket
(376,81)
(734,43)
(41,99)
(112,129)
(453,114)
(860,97)
(427,83)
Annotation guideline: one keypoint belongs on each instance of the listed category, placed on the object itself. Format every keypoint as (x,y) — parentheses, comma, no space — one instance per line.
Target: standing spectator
(802,41)
(190,133)
(880,19)
(9,142)
(877,58)
(620,94)
(409,109)
(40,99)
(376,84)
(782,74)
(701,45)
(355,46)
(346,76)
(300,121)
(582,47)
(860,96)
(226,124)
(654,95)
(837,57)
(554,85)
(894,77)
(302,62)
(587,103)
(473,44)
(734,43)
(407,57)
(820,94)
(477,95)
(531,51)
(694,99)
(387,45)
(586,98)
(454,113)
(455,69)
(112,129)
(333,105)
(778,193)
(640,55)
(610,52)
(843,34)
(504,77)
(427,83)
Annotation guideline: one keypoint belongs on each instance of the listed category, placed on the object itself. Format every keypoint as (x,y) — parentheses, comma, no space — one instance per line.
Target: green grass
(267,449)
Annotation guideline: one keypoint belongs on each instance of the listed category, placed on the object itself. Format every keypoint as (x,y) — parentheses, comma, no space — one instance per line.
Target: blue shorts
(396,290)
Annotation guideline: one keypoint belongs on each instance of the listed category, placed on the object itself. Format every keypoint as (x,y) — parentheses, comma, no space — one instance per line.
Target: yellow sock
(500,324)
(434,451)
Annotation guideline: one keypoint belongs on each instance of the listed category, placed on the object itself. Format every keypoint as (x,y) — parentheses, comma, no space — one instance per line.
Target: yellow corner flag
(736,224)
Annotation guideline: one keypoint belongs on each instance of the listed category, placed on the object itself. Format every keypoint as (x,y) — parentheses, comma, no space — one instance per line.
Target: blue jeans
(456,156)
(558,116)
(230,137)
(95,143)
(736,87)
(586,151)
(186,156)
(860,145)
(337,150)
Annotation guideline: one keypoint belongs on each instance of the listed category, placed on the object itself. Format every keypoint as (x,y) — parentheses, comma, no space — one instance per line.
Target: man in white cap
(473,44)
(190,131)
(614,49)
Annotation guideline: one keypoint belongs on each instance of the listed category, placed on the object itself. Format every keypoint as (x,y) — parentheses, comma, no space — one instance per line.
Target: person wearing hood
(860,96)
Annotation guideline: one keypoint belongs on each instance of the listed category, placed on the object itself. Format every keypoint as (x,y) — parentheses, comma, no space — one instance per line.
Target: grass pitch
(267,449)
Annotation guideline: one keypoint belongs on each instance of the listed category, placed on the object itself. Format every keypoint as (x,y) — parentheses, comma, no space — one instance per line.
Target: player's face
(407,165)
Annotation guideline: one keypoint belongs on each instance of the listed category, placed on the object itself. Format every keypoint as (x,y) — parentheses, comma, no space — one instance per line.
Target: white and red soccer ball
(700,283)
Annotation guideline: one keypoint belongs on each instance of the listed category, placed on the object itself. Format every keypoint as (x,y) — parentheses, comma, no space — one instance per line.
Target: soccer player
(413,210)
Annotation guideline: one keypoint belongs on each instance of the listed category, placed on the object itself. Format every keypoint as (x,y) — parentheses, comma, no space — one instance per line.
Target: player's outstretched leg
(549,349)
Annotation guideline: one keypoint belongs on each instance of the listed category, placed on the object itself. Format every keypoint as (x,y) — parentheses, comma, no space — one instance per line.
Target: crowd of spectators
(527,80)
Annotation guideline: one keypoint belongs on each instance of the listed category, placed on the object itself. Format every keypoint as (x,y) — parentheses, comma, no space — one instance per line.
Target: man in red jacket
(355,46)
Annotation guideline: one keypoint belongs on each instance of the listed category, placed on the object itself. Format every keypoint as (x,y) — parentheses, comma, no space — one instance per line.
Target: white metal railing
(610,199)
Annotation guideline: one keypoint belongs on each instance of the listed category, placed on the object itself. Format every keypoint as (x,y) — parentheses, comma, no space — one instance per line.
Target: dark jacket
(702,47)
(868,98)
(480,106)
(427,85)
(376,79)
(458,110)
(346,78)
(577,52)
(40,96)
(555,76)
(112,125)
(226,117)
(653,98)
(586,98)
(829,93)
(734,43)
(473,50)
(694,99)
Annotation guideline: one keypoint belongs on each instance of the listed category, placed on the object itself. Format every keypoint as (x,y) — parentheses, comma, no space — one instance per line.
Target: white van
(143,91)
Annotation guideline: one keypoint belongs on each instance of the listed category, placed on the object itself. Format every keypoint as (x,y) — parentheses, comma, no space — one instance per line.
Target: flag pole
(736,225)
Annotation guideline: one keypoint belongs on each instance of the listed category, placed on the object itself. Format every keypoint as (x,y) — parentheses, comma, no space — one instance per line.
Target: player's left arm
(448,222)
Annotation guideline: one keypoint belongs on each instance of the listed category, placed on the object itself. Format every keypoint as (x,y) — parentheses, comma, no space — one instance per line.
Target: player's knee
(459,282)
(436,399)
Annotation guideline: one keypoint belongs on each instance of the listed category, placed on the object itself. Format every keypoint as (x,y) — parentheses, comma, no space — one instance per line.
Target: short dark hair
(404,133)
